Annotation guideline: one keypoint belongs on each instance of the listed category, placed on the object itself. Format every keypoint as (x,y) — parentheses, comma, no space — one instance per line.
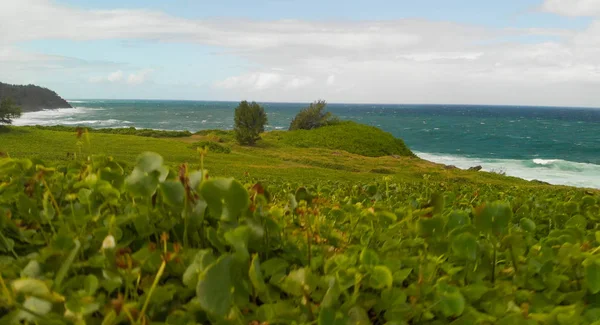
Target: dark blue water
(560,145)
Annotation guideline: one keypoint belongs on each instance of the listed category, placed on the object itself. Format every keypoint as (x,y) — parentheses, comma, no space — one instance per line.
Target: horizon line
(334,103)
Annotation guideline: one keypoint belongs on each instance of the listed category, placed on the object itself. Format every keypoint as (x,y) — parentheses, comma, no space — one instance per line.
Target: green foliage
(88,243)
(8,111)
(217,135)
(312,117)
(250,120)
(32,97)
(349,136)
(151,133)
(212,146)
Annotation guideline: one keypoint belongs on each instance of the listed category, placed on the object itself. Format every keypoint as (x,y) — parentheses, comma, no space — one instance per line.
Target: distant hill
(32,98)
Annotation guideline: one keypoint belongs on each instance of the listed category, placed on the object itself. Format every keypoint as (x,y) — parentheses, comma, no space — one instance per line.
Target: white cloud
(252,81)
(139,77)
(299,82)
(330,80)
(572,7)
(408,60)
(115,76)
(134,78)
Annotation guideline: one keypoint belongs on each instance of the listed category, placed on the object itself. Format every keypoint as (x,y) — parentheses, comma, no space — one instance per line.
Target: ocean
(559,145)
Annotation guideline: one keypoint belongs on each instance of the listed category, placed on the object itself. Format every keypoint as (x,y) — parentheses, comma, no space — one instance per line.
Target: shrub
(8,111)
(149,133)
(250,120)
(349,136)
(312,117)
(212,146)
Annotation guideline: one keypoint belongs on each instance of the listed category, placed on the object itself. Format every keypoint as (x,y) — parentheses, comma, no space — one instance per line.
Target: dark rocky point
(476,168)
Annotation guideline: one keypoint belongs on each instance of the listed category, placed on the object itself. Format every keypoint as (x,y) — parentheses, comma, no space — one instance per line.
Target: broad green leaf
(527,225)
(326,316)
(141,183)
(465,246)
(381,277)
(493,217)
(38,306)
(238,239)
(226,198)
(302,194)
(451,300)
(592,276)
(32,287)
(90,284)
(201,261)
(457,219)
(358,316)
(173,192)
(256,276)
(214,289)
(401,275)
(31,270)
(369,257)
(149,161)
(431,227)
(295,282)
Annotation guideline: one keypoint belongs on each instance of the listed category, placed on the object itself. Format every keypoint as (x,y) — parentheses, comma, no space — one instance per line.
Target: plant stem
(161,270)
(5,290)
(62,272)
(494,264)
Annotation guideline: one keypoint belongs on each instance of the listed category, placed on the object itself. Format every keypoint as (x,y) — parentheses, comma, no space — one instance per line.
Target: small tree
(8,111)
(312,117)
(250,120)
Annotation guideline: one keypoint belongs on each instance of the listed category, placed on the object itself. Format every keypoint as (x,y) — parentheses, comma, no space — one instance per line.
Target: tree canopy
(312,117)
(250,121)
(8,111)
(32,97)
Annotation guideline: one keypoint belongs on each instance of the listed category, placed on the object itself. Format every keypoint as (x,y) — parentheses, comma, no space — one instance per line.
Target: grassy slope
(274,157)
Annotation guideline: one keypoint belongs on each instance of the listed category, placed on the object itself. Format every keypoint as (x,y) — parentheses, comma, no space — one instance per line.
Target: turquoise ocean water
(557,145)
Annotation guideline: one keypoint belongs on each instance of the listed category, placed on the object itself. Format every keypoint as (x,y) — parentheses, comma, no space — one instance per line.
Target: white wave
(553,171)
(76,101)
(545,161)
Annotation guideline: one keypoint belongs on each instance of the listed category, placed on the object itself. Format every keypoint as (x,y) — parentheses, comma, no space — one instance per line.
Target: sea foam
(554,171)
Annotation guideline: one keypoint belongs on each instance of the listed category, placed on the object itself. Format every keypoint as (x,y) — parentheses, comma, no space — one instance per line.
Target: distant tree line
(32,97)
(251,118)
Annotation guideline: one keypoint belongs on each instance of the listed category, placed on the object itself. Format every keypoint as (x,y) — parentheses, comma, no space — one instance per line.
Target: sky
(511,52)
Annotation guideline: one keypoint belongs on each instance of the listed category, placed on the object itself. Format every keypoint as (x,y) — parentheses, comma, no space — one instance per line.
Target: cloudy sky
(526,52)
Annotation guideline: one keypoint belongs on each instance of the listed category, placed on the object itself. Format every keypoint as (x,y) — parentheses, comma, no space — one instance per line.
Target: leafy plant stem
(494,263)
(5,291)
(66,265)
(51,197)
(308,241)
(514,259)
(161,270)
(185,221)
(311,316)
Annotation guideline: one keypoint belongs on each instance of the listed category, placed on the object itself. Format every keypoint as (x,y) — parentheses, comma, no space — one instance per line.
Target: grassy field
(281,155)
(325,236)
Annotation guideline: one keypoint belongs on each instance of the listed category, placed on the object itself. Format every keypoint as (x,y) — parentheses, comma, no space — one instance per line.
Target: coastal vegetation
(114,236)
(125,131)
(313,117)
(32,97)
(250,120)
(8,111)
